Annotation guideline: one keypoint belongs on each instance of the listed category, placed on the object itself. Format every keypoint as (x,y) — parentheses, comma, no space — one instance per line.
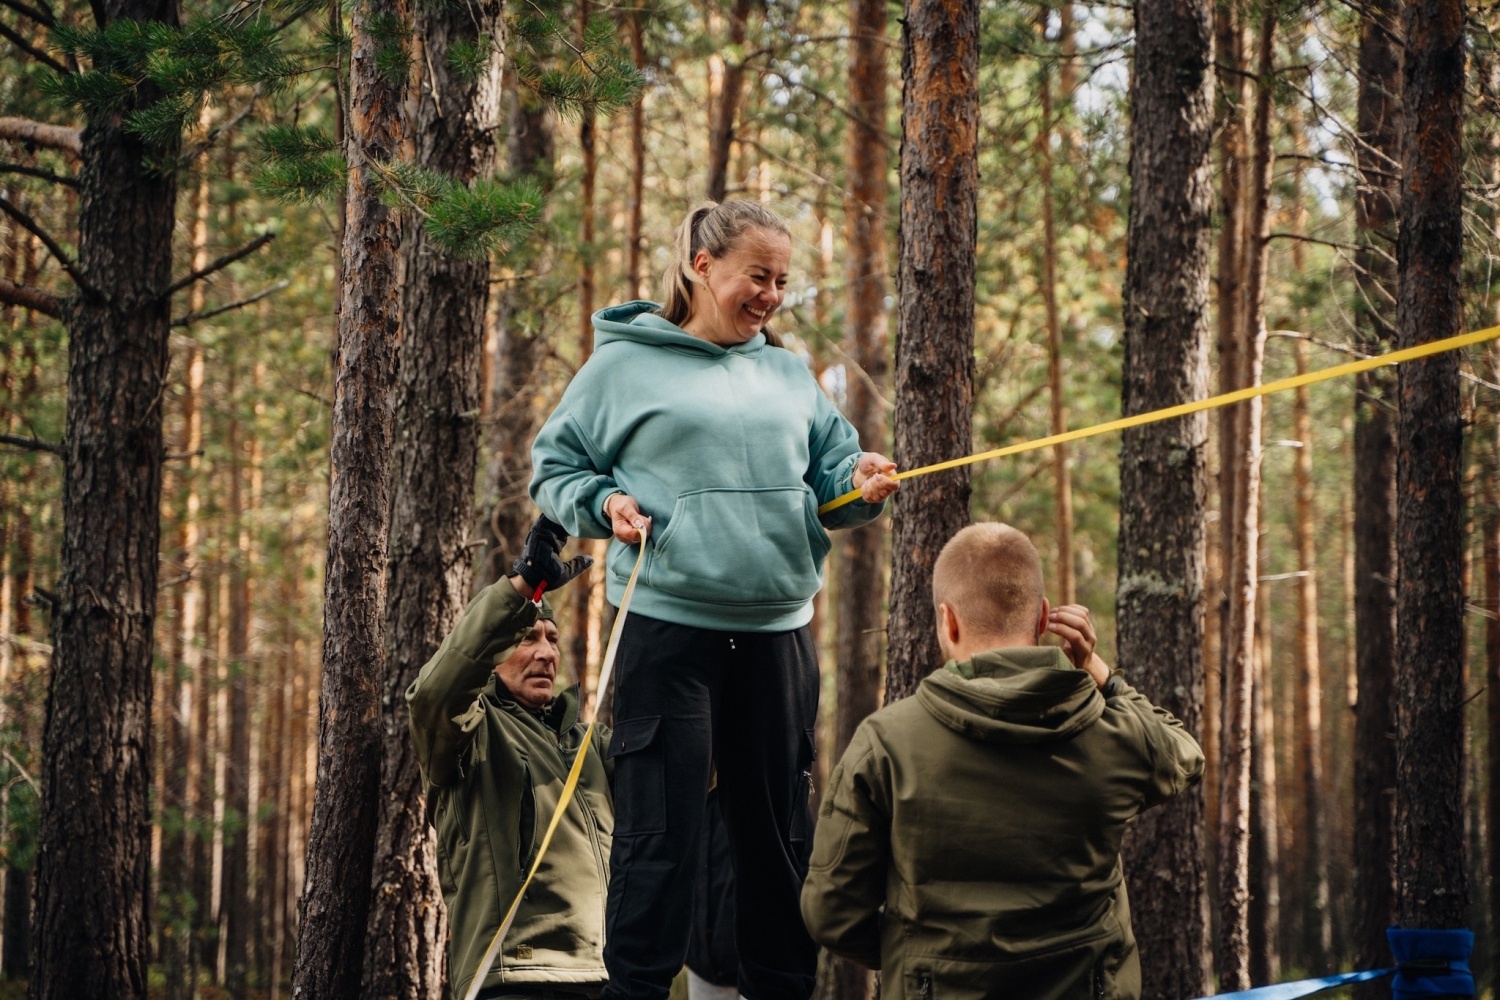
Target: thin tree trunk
(934,348)
(1317,936)
(1265,849)
(1233,956)
(1431,879)
(177,904)
(1488,448)
(861,577)
(94,842)
(725,107)
(634,241)
(436,453)
(335,902)
(1378,156)
(236,889)
(1062,479)
(520,348)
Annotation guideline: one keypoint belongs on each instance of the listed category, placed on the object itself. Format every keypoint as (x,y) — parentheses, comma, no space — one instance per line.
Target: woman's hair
(717,228)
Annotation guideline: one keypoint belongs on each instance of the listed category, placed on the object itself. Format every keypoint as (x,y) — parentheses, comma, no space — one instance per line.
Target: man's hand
(1073,624)
(874,477)
(625,517)
(539,562)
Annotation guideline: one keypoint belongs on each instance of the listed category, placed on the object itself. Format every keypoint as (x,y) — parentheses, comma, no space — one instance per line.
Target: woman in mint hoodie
(690,416)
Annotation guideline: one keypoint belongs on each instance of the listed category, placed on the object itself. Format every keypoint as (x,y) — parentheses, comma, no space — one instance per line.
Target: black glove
(539,562)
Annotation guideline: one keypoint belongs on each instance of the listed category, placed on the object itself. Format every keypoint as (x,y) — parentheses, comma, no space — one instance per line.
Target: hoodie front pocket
(740,546)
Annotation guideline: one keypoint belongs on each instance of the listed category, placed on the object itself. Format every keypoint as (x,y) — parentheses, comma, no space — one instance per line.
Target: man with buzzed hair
(968,845)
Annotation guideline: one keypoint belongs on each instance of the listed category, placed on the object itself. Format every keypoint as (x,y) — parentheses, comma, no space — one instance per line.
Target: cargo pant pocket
(801,825)
(640,787)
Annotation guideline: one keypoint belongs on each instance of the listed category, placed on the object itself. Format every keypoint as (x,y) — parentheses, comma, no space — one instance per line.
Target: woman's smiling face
(737,293)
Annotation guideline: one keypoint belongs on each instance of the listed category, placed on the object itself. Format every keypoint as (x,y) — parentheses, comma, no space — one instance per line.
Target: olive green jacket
(494,774)
(984,815)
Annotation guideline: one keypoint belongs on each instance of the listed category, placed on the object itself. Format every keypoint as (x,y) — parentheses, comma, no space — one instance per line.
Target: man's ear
(949,628)
(1041,622)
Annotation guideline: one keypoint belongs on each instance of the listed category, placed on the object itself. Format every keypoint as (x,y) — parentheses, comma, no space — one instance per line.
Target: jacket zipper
(924,985)
(1099,980)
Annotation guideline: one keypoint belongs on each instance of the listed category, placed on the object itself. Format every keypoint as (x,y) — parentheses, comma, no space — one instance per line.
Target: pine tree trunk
(95,832)
(520,349)
(436,453)
(1062,479)
(1264,916)
(1378,157)
(634,242)
(176,905)
(235,894)
(335,905)
(1233,955)
(725,107)
(1431,879)
(935,343)
(861,563)
(1488,448)
(1317,936)
(1163,487)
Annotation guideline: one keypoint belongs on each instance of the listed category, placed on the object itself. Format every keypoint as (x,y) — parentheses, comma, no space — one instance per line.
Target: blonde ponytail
(716,228)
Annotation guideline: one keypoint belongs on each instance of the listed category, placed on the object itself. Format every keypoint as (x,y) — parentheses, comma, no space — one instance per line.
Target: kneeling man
(969,843)
(495,746)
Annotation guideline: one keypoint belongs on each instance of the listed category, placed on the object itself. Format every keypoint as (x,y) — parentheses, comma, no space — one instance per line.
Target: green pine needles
(158,75)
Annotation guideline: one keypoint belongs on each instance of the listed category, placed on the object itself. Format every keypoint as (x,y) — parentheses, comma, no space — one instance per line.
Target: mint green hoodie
(729,451)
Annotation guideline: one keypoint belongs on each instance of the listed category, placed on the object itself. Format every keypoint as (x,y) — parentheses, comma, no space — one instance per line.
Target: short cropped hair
(991,576)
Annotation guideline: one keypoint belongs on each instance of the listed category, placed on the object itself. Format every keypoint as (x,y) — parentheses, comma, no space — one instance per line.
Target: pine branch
(42,16)
(31,298)
(69,140)
(219,264)
(192,318)
(30,225)
(20,42)
(46,175)
(32,444)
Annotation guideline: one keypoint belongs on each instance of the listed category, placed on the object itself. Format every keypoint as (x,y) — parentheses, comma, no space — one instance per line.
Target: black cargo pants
(685,699)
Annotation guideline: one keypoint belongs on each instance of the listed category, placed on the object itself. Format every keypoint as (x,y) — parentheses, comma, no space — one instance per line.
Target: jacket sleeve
(572,477)
(1175,759)
(846,878)
(833,445)
(443,702)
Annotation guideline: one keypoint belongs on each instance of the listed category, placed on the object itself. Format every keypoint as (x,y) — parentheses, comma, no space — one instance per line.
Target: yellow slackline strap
(569,787)
(1183,409)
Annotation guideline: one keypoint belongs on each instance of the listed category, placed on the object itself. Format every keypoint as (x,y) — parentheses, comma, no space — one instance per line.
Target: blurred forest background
(606,123)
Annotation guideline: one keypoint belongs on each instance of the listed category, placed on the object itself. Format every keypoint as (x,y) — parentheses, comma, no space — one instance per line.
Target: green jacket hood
(640,322)
(1023,694)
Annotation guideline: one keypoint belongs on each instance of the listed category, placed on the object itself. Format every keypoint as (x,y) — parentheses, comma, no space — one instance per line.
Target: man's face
(530,670)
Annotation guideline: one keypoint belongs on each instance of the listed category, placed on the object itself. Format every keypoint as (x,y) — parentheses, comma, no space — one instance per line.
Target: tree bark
(1062,479)
(1163,486)
(335,905)
(520,348)
(435,457)
(634,241)
(725,109)
(935,343)
(1377,156)
(1317,936)
(1243,464)
(1265,860)
(235,894)
(861,590)
(1431,879)
(1489,450)
(95,833)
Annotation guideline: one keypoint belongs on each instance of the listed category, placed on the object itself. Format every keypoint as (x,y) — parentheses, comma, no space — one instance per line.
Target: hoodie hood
(639,322)
(1024,694)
